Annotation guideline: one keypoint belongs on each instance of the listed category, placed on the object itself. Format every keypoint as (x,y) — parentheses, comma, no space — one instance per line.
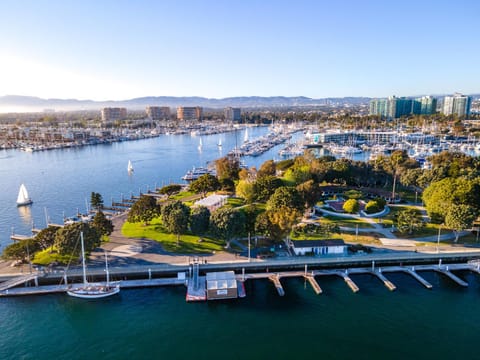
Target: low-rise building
(221,285)
(318,247)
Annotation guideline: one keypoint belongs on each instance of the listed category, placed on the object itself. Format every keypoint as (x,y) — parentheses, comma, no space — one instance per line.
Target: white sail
(200,144)
(23,198)
(220,143)
(245,138)
(130,166)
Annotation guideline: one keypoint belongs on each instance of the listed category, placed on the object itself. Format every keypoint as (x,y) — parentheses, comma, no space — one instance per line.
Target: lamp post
(438,238)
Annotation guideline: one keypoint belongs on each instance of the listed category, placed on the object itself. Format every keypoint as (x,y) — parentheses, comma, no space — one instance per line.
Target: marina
(199,279)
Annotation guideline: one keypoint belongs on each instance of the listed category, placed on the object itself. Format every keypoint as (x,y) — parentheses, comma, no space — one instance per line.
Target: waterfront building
(233,114)
(113,113)
(457,104)
(318,247)
(355,137)
(189,113)
(425,105)
(392,107)
(221,285)
(158,112)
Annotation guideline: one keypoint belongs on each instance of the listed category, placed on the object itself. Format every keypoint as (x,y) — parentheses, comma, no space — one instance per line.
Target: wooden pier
(315,286)
(452,276)
(275,278)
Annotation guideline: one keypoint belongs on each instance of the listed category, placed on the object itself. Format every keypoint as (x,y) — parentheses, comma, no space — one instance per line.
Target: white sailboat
(245,137)
(129,166)
(23,198)
(93,290)
(200,144)
(219,143)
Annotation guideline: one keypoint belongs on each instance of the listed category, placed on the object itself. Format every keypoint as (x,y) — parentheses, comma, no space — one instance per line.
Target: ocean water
(412,322)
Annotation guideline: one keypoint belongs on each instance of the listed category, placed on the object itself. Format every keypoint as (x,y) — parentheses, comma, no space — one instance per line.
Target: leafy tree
(264,226)
(298,174)
(251,212)
(19,251)
(175,217)
(265,187)
(144,209)
(268,168)
(372,207)
(227,167)
(171,189)
(409,221)
(443,194)
(96,200)
(309,192)
(103,225)
(460,217)
(46,237)
(204,184)
(227,184)
(283,218)
(226,223)
(246,190)
(285,197)
(67,239)
(351,206)
(199,220)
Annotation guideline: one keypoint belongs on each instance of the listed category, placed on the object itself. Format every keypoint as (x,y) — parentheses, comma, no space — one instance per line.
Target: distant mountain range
(16,103)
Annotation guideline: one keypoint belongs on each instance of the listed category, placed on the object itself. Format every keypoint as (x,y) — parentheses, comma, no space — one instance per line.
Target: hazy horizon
(114,50)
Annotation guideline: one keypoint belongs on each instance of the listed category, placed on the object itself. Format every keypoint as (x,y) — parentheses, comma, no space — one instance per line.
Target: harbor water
(412,322)
(156,323)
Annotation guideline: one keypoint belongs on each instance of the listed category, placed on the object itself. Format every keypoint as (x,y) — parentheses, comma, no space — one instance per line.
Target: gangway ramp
(17,281)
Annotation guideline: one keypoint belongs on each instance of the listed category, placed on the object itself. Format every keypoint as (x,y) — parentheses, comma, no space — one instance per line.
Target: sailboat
(130,166)
(245,137)
(23,198)
(93,290)
(219,143)
(200,144)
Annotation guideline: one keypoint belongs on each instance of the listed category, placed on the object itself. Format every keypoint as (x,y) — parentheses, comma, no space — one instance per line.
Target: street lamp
(438,238)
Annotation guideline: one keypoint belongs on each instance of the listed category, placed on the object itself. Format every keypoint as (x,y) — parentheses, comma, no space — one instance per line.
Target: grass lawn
(45,258)
(235,202)
(348,222)
(183,195)
(189,244)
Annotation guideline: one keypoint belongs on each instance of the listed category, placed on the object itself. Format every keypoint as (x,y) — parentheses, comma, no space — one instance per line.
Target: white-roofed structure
(221,285)
(212,202)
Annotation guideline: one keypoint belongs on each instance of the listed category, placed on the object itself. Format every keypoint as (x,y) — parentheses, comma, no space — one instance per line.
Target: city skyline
(120,50)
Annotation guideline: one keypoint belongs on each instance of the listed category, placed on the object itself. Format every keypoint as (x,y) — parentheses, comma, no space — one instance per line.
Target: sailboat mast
(106,268)
(83,260)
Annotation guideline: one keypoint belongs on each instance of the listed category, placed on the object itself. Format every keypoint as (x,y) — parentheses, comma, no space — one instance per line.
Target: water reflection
(25,214)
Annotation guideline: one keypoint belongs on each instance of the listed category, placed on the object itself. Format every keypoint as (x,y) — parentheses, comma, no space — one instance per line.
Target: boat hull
(94,292)
(24,203)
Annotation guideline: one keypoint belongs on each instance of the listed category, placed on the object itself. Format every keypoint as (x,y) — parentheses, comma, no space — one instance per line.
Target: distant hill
(16,103)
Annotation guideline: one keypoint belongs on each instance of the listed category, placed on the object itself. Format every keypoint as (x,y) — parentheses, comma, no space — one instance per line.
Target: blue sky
(123,49)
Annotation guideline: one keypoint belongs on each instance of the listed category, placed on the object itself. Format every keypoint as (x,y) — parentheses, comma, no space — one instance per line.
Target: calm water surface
(412,322)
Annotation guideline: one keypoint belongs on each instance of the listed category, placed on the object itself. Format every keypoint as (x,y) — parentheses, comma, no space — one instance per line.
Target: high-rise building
(233,114)
(113,113)
(158,112)
(392,107)
(425,105)
(457,104)
(189,113)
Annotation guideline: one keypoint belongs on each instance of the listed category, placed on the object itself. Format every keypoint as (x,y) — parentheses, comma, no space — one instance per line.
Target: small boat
(23,198)
(200,144)
(245,137)
(129,166)
(93,290)
(196,172)
(219,143)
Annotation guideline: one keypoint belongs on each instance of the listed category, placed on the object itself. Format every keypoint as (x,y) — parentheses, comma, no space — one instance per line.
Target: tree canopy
(204,184)
(176,217)
(144,209)
(67,239)
(225,223)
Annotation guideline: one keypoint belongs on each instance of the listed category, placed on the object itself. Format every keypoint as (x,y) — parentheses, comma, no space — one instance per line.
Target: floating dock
(196,283)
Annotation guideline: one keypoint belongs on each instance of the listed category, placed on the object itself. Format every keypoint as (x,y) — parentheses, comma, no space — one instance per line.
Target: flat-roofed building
(457,104)
(113,113)
(158,112)
(221,285)
(233,114)
(189,113)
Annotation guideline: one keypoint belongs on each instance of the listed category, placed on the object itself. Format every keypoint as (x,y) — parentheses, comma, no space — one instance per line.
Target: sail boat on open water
(93,290)
(23,198)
